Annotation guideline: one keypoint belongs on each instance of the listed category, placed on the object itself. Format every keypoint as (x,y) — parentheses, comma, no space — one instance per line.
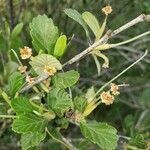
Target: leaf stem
(6,98)
(130,40)
(37,106)
(20,63)
(15,54)
(108,46)
(59,141)
(8,116)
(107,36)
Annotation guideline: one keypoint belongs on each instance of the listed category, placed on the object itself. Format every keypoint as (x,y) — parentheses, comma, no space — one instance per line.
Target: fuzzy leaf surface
(66,79)
(92,22)
(44,33)
(80,103)
(31,139)
(59,101)
(39,62)
(75,15)
(22,105)
(15,82)
(29,123)
(60,46)
(100,133)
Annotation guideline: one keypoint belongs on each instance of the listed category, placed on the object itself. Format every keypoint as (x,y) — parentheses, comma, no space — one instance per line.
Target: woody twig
(109,34)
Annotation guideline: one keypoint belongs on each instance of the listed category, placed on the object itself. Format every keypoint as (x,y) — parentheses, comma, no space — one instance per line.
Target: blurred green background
(130,113)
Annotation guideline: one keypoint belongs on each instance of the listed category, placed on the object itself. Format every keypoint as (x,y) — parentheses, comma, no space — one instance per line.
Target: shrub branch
(103,40)
(107,36)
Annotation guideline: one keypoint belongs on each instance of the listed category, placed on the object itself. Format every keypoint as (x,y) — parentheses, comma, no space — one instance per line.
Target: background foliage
(130,113)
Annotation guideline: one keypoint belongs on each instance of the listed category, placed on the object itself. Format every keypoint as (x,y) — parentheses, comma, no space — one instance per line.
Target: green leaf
(3,42)
(80,103)
(55,134)
(102,29)
(11,67)
(15,82)
(31,139)
(62,123)
(92,22)
(75,15)
(44,33)
(101,55)
(17,30)
(7,28)
(138,141)
(59,101)
(84,143)
(100,133)
(16,42)
(29,123)
(52,144)
(98,65)
(39,62)
(60,46)
(22,105)
(90,94)
(66,79)
(129,122)
(145,98)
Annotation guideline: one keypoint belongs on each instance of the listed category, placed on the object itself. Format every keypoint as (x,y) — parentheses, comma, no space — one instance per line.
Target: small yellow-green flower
(114,89)
(25,52)
(107,98)
(50,70)
(107,10)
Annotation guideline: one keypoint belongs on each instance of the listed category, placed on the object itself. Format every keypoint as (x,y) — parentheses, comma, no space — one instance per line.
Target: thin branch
(108,46)
(7,116)
(124,137)
(64,141)
(135,21)
(88,50)
(37,80)
(103,40)
(68,143)
(6,97)
(105,85)
(130,104)
(107,36)
(140,120)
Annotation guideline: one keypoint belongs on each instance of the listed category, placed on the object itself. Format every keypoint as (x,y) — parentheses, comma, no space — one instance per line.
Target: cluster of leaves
(86,20)
(34,118)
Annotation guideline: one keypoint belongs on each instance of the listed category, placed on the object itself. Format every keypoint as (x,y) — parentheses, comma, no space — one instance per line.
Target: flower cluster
(25,53)
(108,97)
